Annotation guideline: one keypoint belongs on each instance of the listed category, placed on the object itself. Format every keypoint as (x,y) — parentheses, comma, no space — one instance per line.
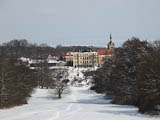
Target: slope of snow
(77,72)
(80,104)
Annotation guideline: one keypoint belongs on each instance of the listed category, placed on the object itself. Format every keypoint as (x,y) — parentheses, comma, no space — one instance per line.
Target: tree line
(132,77)
(17,82)
(19,48)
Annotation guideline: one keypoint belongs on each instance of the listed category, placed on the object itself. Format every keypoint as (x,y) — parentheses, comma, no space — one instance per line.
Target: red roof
(104,52)
(68,55)
(52,55)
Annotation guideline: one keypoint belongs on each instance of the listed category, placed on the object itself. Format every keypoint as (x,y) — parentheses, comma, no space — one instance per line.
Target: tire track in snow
(77,106)
(69,111)
(55,117)
(69,107)
(28,114)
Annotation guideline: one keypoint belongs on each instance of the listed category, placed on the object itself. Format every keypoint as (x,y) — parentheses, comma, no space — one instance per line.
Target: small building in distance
(69,59)
(53,57)
(55,60)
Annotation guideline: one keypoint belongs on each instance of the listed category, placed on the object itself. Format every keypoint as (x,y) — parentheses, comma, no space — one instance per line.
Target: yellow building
(103,56)
(85,59)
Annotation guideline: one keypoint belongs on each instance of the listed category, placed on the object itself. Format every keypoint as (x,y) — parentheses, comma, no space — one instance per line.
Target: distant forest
(19,48)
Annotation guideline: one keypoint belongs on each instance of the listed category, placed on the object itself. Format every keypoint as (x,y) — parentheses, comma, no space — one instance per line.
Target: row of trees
(16,83)
(19,48)
(133,76)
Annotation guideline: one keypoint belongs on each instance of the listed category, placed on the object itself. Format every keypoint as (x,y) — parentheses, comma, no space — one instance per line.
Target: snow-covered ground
(80,104)
(77,73)
(74,71)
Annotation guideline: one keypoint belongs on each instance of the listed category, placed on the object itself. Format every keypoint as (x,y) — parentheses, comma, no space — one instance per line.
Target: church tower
(111,44)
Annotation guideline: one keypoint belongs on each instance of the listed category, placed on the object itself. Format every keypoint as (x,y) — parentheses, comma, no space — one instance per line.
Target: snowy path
(81,104)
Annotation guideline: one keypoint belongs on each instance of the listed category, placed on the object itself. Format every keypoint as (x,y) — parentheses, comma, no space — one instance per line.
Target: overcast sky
(79,22)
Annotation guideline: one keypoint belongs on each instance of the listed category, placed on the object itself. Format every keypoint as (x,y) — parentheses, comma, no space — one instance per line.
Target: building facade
(85,59)
(90,58)
(69,58)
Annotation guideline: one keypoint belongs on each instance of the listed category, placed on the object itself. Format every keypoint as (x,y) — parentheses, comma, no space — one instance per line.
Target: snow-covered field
(80,104)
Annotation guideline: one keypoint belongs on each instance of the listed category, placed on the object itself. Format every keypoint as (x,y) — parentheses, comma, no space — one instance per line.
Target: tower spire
(110,44)
(110,38)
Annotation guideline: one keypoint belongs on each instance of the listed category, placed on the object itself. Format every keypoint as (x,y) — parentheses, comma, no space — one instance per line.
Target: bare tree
(60,82)
(60,86)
